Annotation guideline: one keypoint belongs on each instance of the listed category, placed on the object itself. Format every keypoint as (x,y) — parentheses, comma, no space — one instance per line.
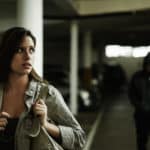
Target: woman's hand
(3,120)
(40,110)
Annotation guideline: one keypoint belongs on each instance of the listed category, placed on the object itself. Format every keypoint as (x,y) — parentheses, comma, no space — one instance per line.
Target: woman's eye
(32,50)
(20,50)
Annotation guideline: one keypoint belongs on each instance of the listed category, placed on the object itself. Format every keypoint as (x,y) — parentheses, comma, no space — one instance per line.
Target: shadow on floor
(116,130)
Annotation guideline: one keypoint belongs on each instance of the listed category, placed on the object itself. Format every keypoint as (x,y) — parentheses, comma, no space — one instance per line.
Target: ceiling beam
(60,7)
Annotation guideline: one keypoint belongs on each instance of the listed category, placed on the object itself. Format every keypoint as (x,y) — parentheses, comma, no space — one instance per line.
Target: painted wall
(130,65)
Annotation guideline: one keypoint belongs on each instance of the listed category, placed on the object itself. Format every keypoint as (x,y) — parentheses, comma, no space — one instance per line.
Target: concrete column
(74,68)
(30,15)
(87,59)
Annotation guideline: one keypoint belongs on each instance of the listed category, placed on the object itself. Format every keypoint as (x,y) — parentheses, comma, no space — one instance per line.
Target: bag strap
(41,91)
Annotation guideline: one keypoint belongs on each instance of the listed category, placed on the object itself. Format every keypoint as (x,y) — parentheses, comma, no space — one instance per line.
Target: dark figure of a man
(139,95)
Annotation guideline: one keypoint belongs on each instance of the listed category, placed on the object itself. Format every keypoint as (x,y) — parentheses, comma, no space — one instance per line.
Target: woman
(33,114)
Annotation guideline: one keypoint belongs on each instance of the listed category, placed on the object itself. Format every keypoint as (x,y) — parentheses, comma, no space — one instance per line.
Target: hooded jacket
(139,87)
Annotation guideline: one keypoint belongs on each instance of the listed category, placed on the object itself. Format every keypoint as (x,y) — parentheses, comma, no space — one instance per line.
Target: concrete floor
(116,130)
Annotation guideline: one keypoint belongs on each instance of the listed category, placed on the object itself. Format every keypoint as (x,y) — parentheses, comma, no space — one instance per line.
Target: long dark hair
(11,39)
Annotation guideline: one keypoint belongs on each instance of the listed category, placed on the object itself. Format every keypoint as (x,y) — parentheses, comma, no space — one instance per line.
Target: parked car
(114,77)
(59,77)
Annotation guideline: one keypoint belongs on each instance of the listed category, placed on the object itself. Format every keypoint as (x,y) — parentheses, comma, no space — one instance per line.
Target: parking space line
(91,134)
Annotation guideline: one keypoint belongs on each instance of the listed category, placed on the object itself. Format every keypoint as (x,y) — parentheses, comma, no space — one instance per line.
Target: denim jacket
(72,135)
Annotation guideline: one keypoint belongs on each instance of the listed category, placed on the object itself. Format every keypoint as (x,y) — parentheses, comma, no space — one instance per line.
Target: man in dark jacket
(139,94)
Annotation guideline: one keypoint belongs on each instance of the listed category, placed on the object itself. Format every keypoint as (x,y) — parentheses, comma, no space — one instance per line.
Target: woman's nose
(27,53)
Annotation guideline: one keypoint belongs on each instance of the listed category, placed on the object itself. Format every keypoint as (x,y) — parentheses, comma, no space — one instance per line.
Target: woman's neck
(19,83)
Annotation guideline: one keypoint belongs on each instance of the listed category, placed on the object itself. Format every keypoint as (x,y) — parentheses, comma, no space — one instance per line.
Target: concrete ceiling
(128,26)
(59,8)
(125,26)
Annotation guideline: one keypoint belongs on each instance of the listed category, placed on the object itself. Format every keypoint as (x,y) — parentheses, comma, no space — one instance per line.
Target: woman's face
(22,60)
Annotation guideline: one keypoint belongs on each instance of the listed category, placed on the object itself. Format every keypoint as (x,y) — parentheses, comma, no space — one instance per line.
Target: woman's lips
(27,65)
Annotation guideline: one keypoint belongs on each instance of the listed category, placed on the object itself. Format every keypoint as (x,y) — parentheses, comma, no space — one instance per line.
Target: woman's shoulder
(49,88)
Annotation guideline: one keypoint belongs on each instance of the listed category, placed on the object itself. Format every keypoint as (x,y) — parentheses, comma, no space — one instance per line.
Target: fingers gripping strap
(41,92)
